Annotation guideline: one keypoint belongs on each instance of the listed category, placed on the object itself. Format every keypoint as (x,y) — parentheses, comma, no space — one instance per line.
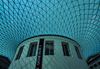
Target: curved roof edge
(48,35)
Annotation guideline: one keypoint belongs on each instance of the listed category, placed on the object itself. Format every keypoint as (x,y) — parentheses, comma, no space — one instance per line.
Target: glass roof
(76,19)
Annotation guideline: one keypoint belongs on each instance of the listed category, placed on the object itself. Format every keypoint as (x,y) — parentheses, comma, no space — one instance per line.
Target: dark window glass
(66,50)
(78,53)
(99,63)
(19,53)
(49,48)
(95,65)
(32,49)
(91,67)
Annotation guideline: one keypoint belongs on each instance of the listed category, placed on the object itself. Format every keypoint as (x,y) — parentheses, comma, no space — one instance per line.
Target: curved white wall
(56,61)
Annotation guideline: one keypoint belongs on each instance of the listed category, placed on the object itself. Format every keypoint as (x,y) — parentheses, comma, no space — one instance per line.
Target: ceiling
(76,19)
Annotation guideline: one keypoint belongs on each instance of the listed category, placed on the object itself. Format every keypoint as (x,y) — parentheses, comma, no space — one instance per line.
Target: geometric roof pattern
(76,19)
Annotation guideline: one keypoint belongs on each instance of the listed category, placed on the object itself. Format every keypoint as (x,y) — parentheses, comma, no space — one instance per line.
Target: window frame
(19,53)
(78,52)
(66,51)
(31,49)
(49,41)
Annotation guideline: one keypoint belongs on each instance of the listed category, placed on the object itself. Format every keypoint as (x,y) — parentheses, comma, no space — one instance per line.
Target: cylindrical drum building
(48,52)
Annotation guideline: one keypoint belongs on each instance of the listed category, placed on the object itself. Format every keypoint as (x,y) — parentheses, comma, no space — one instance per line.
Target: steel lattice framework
(76,19)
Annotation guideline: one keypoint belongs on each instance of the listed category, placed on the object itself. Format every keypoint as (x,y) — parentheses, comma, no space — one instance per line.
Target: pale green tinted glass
(76,19)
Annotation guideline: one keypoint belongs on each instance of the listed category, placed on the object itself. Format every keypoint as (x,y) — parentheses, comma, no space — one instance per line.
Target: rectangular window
(78,53)
(49,48)
(66,50)
(32,49)
(19,53)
